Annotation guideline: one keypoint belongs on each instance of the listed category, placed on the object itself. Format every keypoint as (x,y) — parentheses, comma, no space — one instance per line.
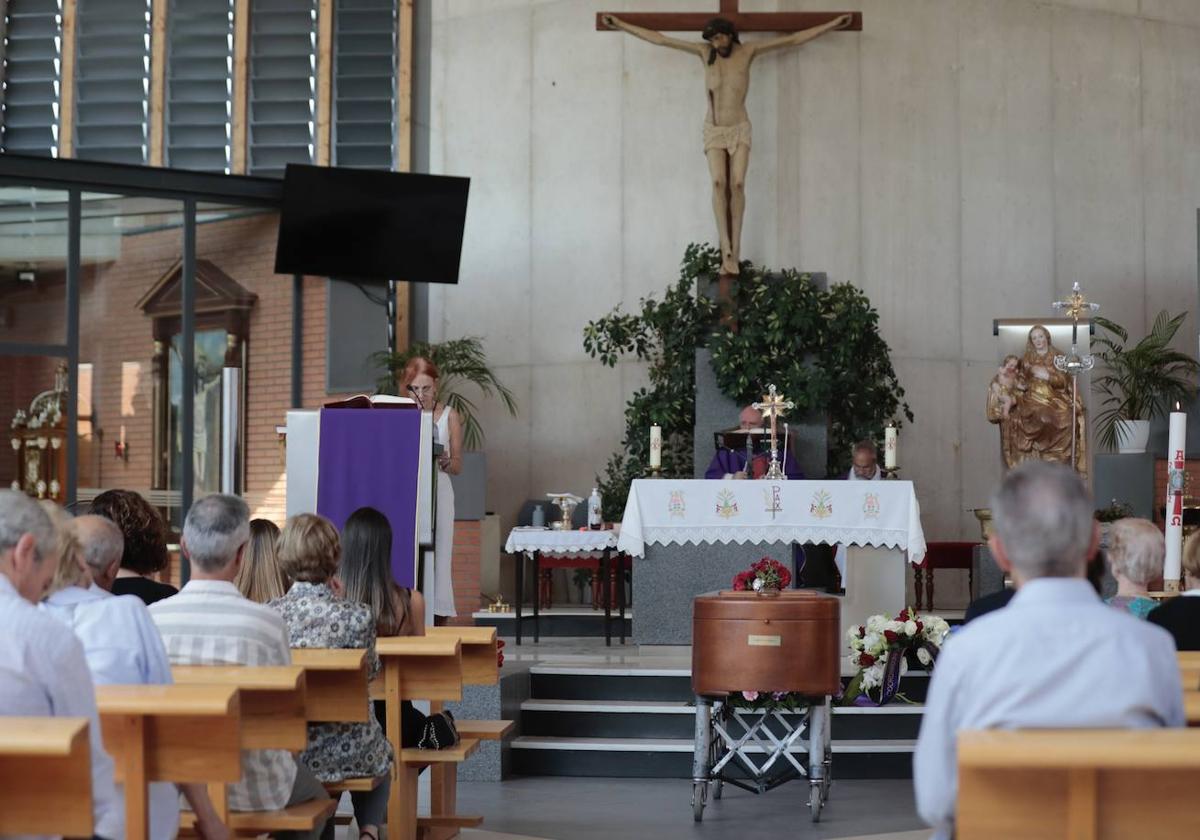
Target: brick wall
(117,339)
(466,569)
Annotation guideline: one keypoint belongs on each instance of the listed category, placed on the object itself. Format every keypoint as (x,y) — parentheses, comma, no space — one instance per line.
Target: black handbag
(439,732)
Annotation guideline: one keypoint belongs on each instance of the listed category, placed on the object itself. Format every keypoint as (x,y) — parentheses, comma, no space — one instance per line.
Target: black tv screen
(357,223)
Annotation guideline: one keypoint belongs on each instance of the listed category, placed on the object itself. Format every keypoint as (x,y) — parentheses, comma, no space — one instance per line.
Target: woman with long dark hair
(366,576)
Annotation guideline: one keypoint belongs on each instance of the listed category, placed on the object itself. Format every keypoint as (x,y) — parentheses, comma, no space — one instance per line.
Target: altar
(688,537)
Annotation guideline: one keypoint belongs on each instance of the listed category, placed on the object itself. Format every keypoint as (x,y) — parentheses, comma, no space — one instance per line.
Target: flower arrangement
(879,650)
(766,575)
(769,701)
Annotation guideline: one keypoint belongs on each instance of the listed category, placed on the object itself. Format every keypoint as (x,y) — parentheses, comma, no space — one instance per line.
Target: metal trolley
(765,746)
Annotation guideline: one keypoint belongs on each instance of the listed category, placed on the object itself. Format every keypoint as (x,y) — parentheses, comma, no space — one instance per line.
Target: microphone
(416,397)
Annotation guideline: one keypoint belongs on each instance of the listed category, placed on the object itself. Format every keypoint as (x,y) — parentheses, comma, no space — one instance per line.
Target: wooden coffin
(743,641)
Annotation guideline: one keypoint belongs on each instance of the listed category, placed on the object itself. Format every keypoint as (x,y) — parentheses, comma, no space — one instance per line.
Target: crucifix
(726,61)
(1073,363)
(774,405)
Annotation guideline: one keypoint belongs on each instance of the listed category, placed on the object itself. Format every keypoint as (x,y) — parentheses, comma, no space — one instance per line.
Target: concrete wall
(959,160)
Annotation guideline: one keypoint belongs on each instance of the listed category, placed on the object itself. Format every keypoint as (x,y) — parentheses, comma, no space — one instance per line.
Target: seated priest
(731,462)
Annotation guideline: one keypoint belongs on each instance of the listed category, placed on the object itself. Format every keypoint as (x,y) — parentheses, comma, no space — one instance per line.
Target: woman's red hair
(415,367)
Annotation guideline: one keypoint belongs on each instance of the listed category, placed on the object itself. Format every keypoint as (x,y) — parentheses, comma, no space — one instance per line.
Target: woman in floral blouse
(317,617)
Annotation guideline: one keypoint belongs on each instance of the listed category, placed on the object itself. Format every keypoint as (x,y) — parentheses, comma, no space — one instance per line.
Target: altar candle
(1175,480)
(890,440)
(655,447)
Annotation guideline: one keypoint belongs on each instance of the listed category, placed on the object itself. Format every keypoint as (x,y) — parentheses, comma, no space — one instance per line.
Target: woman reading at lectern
(419,379)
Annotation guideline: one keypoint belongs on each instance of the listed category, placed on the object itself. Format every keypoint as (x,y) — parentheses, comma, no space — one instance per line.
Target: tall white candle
(1177,440)
(655,447)
(890,455)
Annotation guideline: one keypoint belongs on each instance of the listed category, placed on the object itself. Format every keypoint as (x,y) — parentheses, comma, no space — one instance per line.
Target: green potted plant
(1140,382)
(460,361)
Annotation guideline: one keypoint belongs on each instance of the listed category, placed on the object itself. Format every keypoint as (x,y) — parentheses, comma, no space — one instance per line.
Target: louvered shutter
(364,79)
(199,84)
(112,79)
(32,64)
(283,54)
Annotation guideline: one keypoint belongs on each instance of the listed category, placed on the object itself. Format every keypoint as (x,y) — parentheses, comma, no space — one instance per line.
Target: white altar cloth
(879,514)
(558,542)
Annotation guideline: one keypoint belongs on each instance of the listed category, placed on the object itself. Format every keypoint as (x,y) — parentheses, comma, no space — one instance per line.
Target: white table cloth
(558,542)
(880,514)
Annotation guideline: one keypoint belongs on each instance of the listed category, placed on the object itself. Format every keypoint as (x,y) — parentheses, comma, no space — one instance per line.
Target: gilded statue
(1031,401)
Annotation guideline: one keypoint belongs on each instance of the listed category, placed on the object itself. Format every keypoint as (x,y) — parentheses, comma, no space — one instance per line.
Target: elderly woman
(1181,616)
(1135,553)
(121,644)
(145,535)
(316,617)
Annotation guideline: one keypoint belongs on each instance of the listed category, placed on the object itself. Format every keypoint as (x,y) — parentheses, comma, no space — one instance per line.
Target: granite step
(672,757)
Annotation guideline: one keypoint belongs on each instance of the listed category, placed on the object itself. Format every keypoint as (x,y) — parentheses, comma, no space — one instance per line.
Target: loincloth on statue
(727,137)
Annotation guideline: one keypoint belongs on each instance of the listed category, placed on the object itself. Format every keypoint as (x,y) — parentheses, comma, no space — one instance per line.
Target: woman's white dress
(443,544)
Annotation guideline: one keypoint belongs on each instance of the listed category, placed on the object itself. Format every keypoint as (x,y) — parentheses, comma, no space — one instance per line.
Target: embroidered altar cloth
(863,513)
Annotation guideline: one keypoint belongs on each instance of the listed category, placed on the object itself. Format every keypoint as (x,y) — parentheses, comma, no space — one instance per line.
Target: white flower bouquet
(879,650)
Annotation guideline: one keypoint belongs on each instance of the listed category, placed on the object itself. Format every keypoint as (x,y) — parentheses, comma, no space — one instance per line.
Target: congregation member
(366,578)
(260,579)
(43,670)
(122,647)
(1055,657)
(1181,616)
(316,617)
(1136,550)
(985,604)
(420,379)
(730,462)
(210,623)
(145,535)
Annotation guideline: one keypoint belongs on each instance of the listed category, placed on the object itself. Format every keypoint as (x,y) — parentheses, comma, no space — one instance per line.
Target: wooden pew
(1080,784)
(272,698)
(1191,707)
(414,668)
(273,717)
(45,776)
(335,684)
(168,733)
(480,667)
(412,762)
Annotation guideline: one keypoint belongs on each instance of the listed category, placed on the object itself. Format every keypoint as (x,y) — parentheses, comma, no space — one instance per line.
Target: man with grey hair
(211,623)
(1056,656)
(43,672)
(101,543)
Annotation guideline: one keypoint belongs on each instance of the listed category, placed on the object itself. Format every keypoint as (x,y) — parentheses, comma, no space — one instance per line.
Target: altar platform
(590,711)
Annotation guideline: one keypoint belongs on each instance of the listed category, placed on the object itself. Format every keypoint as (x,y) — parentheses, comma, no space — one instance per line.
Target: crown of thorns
(720,26)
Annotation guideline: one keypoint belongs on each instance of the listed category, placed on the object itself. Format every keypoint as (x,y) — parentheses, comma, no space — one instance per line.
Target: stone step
(672,757)
(676,719)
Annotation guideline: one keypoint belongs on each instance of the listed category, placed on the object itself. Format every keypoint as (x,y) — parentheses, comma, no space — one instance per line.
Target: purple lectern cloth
(369,457)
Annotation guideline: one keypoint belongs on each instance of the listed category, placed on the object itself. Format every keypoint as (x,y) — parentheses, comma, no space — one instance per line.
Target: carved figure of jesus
(726,124)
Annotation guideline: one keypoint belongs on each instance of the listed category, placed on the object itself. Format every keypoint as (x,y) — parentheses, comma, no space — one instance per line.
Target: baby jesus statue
(1002,393)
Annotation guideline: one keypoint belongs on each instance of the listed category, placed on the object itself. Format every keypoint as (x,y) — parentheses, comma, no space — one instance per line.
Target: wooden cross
(744,21)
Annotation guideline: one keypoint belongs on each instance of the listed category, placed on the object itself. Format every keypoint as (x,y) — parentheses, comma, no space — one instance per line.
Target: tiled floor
(659,809)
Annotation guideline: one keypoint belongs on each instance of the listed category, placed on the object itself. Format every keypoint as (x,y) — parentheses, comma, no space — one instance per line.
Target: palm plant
(460,362)
(1142,381)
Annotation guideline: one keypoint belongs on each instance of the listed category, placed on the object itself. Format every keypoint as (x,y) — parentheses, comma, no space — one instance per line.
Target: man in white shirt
(43,671)
(122,647)
(210,623)
(1055,657)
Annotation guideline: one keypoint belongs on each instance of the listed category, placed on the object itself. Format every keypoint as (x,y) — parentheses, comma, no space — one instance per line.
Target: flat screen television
(366,224)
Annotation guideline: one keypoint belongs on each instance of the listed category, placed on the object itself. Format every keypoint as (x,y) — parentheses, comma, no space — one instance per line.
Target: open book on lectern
(375,401)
